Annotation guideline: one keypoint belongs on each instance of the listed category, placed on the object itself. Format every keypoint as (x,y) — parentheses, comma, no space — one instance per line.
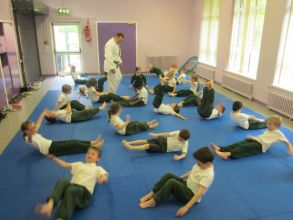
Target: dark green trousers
(110,97)
(72,197)
(84,115)
(157,71)
(171,184)
(255,124)
(76,105)
(191,100)
(136,127)
(184,93)
(159,94)
(206,106)
(61,148)
(169,89)
(80,81)
(245,148)
(132,103)
(100,84)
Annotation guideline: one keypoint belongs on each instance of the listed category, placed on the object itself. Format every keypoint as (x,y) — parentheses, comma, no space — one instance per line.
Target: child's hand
(176,157)
(183,117)
(103,179)
(182,211)
(152,134)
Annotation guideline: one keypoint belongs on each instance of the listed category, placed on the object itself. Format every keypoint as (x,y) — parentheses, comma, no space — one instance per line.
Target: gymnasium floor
(251,188)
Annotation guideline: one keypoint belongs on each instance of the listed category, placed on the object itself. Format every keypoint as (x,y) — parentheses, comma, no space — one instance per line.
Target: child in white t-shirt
(57,148)
(78,192)
(193,89)
(162,143)
(245,121)
(139,99)
(127,127)
(188,188)
(182,77)
(253,145)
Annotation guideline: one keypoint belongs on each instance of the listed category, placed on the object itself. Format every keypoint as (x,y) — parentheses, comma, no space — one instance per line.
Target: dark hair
(24,127)
(204,155)
(237,105)
(97,150)
(140,87)
(92,82)
(137,68)
(176,109)
(194,77)
(51,120)
(113,109)
(66,88)
(184,134)
(119,34)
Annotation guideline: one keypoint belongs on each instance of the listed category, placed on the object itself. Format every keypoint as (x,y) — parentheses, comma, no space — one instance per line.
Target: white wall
(275,14)
(5,10)
(164,27)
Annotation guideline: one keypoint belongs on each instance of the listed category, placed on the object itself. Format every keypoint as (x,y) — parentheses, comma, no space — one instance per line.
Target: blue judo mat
(258,187)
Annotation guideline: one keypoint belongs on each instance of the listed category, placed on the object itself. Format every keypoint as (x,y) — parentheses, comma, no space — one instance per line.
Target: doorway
(67,47)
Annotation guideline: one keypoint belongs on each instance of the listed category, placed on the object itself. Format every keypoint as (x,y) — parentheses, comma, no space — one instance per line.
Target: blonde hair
(274,119)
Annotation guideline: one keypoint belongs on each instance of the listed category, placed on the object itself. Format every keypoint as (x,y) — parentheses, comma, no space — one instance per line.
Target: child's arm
(68,108)
(40,119)
(179,115)
(290,147)
(180,157)
(59,162)
(123,125)
(182,211)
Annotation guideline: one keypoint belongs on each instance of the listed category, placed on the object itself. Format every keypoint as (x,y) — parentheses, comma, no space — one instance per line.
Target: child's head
(181,71)
(82,89)
(209,83)
(204,157)
(194,78)
(221,108)
(137,70)
(114,109)
(273,122)
(50,116)
(92,82)
(174,67)
(66,89)
(93,155)
(28,128)
(237,106)
(184,134)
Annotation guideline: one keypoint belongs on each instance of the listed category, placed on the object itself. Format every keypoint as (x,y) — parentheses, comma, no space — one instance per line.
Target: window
(209,32)
(246,36)
(284,70)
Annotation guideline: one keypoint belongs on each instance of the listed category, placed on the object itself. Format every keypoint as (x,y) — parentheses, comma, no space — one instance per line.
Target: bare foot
(172,94)
(125,97)
(148,204)
(180,104)
(154,125)
(126,144)
(45,209)
(223,155)
(99,144)
(146,197)
(215,147)
(152,122)
(87,107)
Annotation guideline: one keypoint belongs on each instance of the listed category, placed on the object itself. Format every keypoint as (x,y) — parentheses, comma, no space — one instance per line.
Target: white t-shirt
(143,95)
(181,77)
(200,177)
(174,144)
(92,94)
(241,119)
(116,120)
(270,137)
(193,87)
(62,115)
(63,99)
(86,174)
(74,75)
(39,142)
(215,114)
(165,109)
(171,82)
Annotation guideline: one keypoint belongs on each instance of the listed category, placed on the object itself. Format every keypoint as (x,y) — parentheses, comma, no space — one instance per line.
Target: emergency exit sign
(63,11)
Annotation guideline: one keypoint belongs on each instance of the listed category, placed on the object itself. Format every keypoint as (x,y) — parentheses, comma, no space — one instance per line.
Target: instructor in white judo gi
(113,61)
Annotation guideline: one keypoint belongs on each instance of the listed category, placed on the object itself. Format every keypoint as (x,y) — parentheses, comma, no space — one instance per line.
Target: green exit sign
(63,11)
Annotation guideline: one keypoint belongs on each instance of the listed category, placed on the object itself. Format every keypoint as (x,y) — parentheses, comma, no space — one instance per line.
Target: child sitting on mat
(163,142)
(159,106)
(138,79)
(171,82)
(193,90)
(63,99)
(139,99)
(99,85)
(188,188)
(182,77)
(245,121)
(69,116)
(75,76)
(78,192)
(128,127)
(253,145)
(57,148)
(206,109)
(100,97)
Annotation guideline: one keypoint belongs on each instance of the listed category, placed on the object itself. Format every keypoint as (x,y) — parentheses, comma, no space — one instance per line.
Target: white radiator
(281,103)
(205,72)
(239,86)
(162,62)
